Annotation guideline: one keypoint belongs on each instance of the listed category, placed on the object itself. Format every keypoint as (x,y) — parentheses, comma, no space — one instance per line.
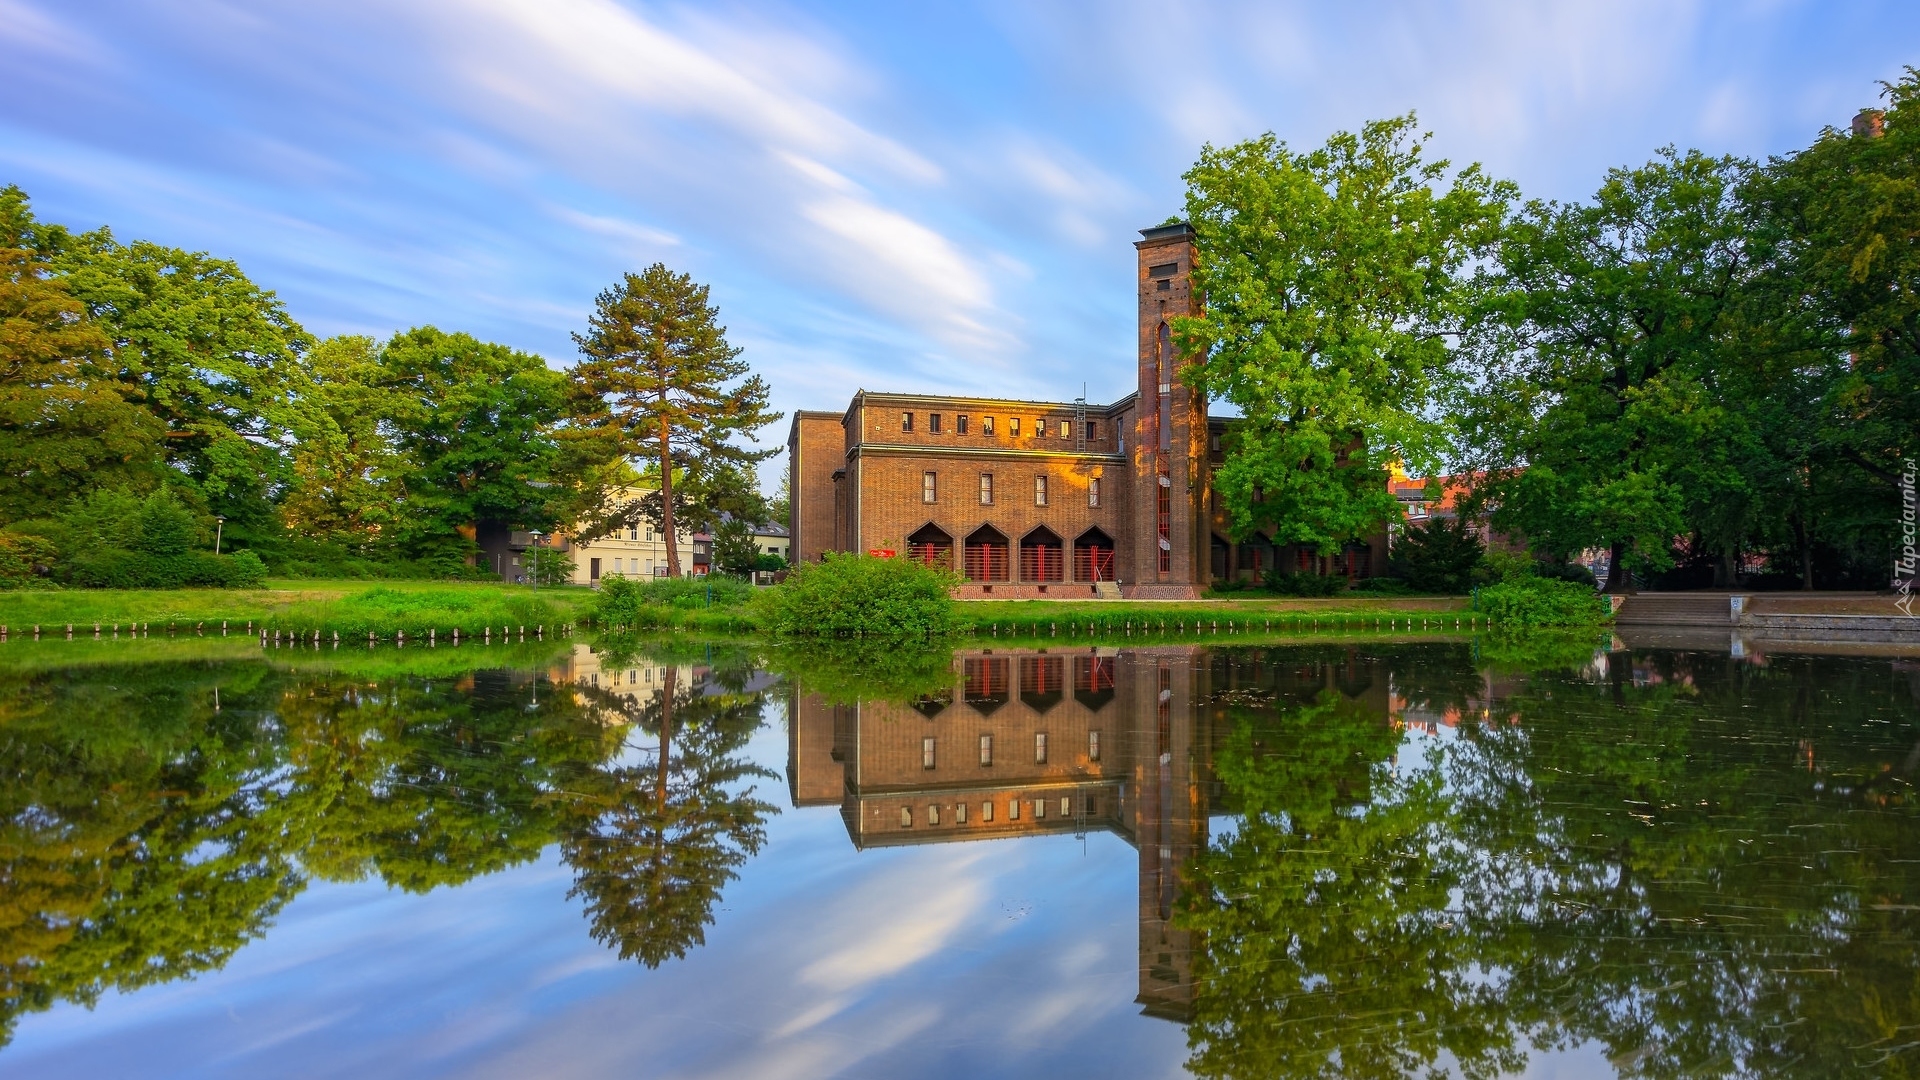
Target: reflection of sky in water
(980,959)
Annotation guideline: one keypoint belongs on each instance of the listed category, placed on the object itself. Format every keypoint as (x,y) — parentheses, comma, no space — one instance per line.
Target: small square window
(926,753)
(1040,491)
(1040,428)
(1093,491)
(960,424)
(906,421)
(986,425)
(1039,748)
(933,423)
(1013,426)
(927,489)
(986,749)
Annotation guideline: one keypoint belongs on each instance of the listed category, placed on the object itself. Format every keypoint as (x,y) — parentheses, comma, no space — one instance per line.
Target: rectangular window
(926,752)
(1066,806)
(906,421)
(1040,428)
(1039,809)
(926,489)
(1093,491)
(1093,430)
(1013,426)
(906,817)
(1039,748)
(986,811)
(986,426)
(986,489)
(1039,491)
(933,815)
(1093,746)
(633,532)
(960,814)
(1214,443)
(1013,809)
(960,424)
(1066,429)
(933,423)
(986,749)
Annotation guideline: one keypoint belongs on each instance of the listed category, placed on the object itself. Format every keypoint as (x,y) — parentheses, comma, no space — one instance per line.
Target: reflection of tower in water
(1014,753)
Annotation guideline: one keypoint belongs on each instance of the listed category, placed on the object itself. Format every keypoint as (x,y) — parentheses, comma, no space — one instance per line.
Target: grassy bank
(351,609)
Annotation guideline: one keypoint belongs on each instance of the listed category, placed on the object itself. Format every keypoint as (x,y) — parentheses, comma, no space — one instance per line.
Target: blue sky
(935,197)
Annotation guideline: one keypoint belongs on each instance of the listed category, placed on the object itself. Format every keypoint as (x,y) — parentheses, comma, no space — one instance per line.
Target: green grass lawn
(346,607)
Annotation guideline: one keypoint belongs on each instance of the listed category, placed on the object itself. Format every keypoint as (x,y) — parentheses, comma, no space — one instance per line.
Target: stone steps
(1676,609)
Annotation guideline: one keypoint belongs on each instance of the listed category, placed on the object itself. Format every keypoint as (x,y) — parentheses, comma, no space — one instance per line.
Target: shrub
(1438,557)
(1566,571)
(1287,584)
(112,569)
(1535,602)
(860,595)
(1383,586)
(24,559)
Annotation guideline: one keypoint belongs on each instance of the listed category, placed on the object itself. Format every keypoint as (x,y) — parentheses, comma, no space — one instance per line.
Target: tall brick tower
(1169,440)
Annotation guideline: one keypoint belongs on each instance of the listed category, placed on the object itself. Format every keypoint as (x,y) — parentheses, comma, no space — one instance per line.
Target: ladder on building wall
(1080,421)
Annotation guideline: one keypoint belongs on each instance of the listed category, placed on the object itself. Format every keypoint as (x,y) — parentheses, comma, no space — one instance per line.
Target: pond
(1353,859)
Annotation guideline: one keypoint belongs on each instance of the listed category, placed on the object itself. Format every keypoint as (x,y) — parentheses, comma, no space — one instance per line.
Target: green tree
(657,376)
(345,473)
(1599,412)
(211,353)
(1332,279)
(653,844)
(475,423)
(1438,556)
(69,421)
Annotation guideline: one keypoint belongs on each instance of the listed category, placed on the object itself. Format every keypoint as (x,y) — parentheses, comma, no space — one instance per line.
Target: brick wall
(816,448)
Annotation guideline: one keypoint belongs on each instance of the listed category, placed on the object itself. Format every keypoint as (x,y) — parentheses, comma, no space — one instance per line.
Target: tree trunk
(666,502)
(1616,572)
(1806,551)
(667,681)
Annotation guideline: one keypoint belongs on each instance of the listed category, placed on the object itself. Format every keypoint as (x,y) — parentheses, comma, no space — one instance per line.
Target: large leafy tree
(1599,415)
(344,471)
(69,418)
(1333,278)
(211,353)
(476,425)
(660,378)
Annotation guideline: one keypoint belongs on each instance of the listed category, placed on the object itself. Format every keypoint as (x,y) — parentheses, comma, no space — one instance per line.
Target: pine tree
(657,377)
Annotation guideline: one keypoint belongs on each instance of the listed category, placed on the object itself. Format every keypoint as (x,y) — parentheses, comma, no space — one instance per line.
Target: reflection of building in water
(636,679)
(1064,742)
(1031,742)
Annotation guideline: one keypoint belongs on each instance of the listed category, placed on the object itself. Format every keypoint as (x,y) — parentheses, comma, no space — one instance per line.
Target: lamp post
(219,525)
(533,562)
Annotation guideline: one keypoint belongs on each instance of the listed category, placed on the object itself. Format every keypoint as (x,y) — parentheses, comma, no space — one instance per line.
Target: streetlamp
(219,525)
(533,561)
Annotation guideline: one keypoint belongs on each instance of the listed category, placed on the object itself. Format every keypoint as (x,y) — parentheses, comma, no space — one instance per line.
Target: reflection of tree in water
(653,843)
(147,833)
(1702,866)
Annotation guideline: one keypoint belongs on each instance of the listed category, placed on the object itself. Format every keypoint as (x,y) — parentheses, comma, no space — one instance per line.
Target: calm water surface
(1373,860)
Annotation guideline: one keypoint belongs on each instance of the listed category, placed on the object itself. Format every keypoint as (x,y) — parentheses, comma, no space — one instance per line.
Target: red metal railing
(1039,562)
(986,562)
(1092,564)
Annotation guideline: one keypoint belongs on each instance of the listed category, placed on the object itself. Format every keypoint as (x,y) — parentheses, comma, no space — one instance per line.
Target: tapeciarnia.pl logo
(1903,567)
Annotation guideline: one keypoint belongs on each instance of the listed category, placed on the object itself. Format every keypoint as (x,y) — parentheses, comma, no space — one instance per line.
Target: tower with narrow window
(1168,443)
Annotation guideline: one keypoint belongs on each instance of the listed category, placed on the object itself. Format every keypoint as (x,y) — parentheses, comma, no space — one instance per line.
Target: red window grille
(986,562)
(1092,563)
(936,555)
(986,680)
(1040,562)
(1166,525)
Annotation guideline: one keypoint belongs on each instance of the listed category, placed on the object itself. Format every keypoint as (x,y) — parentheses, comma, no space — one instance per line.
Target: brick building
(1026,498)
